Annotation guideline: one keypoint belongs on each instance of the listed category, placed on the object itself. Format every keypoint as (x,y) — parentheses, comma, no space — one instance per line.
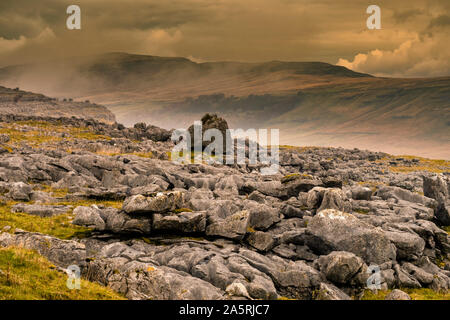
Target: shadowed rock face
(164,230)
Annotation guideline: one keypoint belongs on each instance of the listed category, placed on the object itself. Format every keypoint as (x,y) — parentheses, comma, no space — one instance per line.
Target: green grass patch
(147,155)
(57,193)
(447,229)
(296,148)
(361,210)
(182,210)
(294,176)
(415,294)
(284,298)
(58,226)
(422,164)
(43,132)
(25,275)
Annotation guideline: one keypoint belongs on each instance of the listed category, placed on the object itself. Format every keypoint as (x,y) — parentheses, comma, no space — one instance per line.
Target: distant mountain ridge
(313,103)
(19,102)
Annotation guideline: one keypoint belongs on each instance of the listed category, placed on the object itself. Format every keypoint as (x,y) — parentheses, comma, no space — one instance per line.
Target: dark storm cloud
(441,21)
(244,30)
(28,18)
(405,15)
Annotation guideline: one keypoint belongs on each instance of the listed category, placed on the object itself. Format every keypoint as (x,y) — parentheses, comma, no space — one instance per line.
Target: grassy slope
(25,275)
(415,294)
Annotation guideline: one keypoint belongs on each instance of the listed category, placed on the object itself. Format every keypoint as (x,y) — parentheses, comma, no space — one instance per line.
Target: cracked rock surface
(211,231)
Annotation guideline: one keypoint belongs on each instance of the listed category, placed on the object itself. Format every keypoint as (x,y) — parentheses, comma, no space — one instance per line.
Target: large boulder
(435,187)
(332,199)
(146,281)
(313,198)
(409,245)
(261,216)
(211,121)
(333,230)
(88,217)
(157,203)
(340,267)
(361,193)
(442,213)
(20,191)
(404,279)
(268,188)
(421,275)
(397,294)
(121,222)
(233,227)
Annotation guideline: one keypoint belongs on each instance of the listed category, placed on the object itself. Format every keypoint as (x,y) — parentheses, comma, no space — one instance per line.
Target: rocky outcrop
(315,230)
(22,103)
(210,121)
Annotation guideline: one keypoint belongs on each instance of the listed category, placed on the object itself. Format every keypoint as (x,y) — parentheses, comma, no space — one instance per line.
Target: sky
(414,39)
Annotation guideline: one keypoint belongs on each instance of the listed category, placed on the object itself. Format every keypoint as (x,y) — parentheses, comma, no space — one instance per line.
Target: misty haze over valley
(312,103)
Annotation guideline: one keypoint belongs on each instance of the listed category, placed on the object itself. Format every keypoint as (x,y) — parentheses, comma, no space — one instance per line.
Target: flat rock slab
(333,230)
(41,210)
(184,222)
(232,227)
(158,203)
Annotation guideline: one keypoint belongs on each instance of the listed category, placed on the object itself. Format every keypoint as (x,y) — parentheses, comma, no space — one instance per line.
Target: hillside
(313,103)
(18,102)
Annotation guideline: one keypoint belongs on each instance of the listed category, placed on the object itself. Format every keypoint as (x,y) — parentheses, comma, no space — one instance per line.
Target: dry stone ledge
(183,222)
(157,203)
(111,220)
